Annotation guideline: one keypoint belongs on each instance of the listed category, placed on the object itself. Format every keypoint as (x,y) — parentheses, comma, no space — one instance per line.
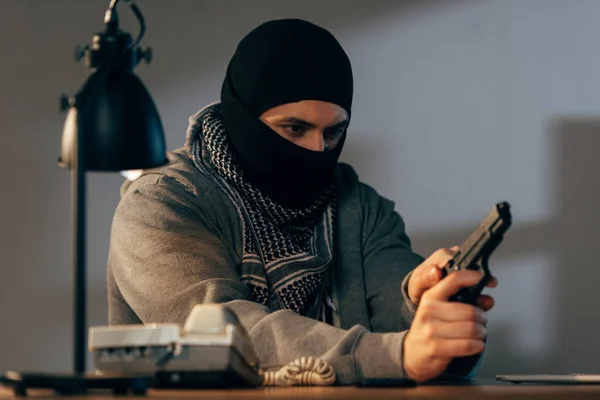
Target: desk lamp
(112,124)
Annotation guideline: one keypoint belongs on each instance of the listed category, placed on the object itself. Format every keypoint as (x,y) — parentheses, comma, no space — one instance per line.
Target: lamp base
(73,384)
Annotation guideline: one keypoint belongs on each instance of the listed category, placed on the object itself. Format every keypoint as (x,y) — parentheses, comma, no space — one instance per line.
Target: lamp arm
(140,17)
(111,20)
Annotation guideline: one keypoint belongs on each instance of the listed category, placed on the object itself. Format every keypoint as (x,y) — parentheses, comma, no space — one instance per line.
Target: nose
(313,141)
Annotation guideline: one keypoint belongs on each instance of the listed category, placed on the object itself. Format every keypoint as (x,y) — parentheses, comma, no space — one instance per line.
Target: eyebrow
(298,121)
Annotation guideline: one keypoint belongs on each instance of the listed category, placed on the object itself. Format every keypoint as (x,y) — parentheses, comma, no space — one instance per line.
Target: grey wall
(459,104)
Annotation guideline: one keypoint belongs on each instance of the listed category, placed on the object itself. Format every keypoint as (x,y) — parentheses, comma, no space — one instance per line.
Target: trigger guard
(485,268)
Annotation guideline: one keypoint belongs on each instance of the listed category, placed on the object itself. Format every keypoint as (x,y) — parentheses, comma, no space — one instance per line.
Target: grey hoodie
(176,241)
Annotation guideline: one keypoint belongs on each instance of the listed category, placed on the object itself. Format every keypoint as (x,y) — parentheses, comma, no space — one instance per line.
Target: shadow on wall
(577,234)
(570,242)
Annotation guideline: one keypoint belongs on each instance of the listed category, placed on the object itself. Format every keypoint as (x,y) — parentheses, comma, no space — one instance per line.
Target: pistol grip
(470,295)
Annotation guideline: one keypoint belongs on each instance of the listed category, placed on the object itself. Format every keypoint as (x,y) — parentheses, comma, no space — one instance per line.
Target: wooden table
(482,390)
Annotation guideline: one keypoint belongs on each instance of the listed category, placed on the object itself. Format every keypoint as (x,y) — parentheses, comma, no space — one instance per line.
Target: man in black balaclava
(255,213)
(283,62)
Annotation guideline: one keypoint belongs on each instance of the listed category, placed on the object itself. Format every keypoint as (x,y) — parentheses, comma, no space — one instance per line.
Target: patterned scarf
(286,252)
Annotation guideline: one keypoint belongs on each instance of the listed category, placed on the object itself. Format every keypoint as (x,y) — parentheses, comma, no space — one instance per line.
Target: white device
(211,350)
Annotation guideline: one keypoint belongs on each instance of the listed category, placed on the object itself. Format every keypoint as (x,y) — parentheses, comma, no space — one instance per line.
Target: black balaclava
(279,62)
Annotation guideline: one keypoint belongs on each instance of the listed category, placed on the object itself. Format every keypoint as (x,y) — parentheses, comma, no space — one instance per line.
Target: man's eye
(331,139)
(296,130)
(335,134)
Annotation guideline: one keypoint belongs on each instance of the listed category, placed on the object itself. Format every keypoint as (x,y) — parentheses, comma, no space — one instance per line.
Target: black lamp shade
(121,128)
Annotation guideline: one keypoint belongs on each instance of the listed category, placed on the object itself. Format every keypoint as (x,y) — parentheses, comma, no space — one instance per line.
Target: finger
(492,283)
(421,280)
(441,257)
(445,311)
(429,272)
(451,284)
(451,348)
(486,302)
(458,330)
